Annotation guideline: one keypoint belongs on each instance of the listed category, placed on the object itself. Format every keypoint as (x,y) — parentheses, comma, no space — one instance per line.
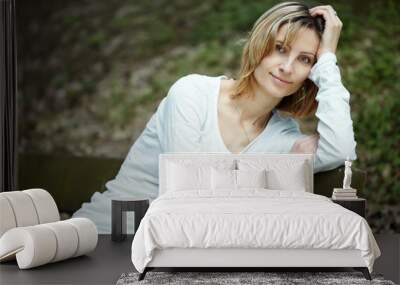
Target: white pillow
(251,178)
(223,179)
(281,174)
(181,177)
(294,179)
(236,179)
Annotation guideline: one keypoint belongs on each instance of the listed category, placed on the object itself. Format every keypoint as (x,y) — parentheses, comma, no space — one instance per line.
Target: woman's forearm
(335,126)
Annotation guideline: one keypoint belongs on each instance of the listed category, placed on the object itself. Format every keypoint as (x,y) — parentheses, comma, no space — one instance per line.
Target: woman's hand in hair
(333,26)
(306,145)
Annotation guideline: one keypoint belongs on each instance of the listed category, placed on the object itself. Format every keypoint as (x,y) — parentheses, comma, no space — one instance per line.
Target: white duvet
(251,218)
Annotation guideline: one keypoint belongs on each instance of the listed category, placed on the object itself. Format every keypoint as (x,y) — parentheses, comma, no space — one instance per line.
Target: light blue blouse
(186,121)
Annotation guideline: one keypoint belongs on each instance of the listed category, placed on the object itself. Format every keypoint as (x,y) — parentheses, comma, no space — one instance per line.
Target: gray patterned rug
(229,278)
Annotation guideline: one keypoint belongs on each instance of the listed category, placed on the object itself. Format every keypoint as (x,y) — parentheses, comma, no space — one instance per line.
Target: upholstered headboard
(215,159)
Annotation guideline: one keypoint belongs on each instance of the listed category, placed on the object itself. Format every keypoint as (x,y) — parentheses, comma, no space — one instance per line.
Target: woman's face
(283,71)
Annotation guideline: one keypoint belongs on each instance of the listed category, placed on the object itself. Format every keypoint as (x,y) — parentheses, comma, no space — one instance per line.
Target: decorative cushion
(181,178)
(223,179)
(228,179)
(291,180)
(281,174)
(190,161)
(251,178)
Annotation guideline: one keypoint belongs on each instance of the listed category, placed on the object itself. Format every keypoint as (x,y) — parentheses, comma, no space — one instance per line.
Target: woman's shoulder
(193,77)
(195,86)
(189,91)
(195,80)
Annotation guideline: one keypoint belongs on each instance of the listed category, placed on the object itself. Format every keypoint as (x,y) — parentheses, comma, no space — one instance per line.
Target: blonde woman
(288,65)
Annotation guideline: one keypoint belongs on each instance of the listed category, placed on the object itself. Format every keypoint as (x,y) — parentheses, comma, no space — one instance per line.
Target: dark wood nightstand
(118,215)
(357,205)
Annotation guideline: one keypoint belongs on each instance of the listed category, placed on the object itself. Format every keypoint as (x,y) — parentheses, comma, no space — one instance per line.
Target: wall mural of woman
(288,64)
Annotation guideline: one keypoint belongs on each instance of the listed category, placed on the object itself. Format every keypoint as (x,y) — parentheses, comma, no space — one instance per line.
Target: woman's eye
(306,60)
(280,49)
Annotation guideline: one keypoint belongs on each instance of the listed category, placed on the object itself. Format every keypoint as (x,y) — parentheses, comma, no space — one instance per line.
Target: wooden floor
(388,263)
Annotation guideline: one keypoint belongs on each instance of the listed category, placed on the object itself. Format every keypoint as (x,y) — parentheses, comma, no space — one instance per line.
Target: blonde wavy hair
(261,42)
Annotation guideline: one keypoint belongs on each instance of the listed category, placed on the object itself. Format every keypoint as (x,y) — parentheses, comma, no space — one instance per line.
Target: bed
(247,210)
